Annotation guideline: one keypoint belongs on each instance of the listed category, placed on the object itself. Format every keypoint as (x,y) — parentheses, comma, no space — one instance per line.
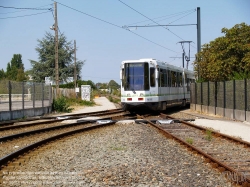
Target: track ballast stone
(126,154)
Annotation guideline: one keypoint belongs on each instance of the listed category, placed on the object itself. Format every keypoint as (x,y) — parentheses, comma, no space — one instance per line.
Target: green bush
(113,99)
(116,92)
(79,101)
(61,105)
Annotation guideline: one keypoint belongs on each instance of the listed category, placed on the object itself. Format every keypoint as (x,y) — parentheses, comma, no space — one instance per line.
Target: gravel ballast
(126,154)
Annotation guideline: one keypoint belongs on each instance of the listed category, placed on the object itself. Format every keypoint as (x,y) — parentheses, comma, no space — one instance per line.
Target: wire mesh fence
(24,95)
(233,94)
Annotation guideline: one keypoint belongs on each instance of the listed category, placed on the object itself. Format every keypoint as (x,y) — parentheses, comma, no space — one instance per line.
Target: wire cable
(115,26)
(25,8)
(168,16)
(182,17)
(150,19)
(25,15)
(90,15)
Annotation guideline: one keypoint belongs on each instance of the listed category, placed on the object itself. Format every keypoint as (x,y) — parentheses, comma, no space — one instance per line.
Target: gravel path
(125,154)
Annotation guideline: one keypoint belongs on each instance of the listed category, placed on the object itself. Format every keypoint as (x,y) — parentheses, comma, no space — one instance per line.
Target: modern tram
(154,84)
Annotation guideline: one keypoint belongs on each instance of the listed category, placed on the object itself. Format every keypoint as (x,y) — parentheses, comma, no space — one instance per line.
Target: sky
(102,37)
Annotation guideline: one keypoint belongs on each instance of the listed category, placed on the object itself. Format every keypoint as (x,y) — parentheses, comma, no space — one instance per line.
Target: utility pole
(198,38)
(75,64)
(198,30)
(56,50)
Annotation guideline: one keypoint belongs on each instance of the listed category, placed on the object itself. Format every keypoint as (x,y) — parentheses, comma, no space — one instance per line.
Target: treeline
(14,70)
(227,57)
(111,85)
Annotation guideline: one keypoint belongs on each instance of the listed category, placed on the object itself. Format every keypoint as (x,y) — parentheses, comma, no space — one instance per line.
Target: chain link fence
(24,95)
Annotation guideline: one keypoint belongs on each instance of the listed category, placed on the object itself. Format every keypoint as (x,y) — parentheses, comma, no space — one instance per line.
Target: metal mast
(56,50)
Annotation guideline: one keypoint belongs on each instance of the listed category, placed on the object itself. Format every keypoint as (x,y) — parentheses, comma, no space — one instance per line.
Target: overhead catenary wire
(149,18)
(182,17)
(107,22)
(23,9)
(168,16)
(25,15)
(163,26)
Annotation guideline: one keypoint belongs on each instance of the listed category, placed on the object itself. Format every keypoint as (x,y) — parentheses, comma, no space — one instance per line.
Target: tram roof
(159,63)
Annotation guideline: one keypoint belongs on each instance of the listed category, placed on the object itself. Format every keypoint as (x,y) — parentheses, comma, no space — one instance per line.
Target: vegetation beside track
(65,104)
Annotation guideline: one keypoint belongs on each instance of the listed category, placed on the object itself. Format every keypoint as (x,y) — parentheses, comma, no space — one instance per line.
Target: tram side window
(152,77)
(163,78)
(168,78)
(174,79)
(165,83)
(177,79)
(180,79)
(123,77)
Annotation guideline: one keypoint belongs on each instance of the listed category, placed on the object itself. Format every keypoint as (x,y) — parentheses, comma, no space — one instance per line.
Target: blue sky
(105,45)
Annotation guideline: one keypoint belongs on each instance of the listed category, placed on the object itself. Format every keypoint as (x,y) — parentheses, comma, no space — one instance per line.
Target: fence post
(50,96)
(245,94)
(10,102)
(23,97)
(208,93)
(195,91)
(43,97)
(201,95)
(234,102)
(34,95)
(224,97)
(215,97)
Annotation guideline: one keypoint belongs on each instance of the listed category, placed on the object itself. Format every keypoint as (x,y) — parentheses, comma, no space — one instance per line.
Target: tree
(15,69)
(113,85)
(2,74)
(45,67)
(227,57)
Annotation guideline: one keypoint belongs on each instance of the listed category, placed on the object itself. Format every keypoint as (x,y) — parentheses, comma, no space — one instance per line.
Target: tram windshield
(136,76)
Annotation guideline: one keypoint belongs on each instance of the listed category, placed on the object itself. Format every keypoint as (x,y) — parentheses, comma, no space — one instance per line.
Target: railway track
(56,119)
(26,139)
(229,155)
(44,119)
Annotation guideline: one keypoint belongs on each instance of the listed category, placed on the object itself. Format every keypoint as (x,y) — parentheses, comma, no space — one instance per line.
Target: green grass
(208,135)
(64,104)
(114,100)
(118,148)
(79,101)
(190,140)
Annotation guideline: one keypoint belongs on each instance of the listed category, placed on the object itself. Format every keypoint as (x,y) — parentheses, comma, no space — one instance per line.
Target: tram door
(162,83)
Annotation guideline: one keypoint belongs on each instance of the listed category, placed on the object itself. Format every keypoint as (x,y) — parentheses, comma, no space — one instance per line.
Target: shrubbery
(61,105)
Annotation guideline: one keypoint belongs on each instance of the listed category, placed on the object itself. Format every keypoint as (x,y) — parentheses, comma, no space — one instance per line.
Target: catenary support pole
(56,50)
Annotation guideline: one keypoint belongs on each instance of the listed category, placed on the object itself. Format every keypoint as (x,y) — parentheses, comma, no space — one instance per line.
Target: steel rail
(10,137)
(11,156)
(222,167)
(55,119)
(218,134)
(11,122)
(103,112)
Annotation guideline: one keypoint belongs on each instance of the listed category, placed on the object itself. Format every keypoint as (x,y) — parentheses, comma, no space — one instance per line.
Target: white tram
(154,84)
